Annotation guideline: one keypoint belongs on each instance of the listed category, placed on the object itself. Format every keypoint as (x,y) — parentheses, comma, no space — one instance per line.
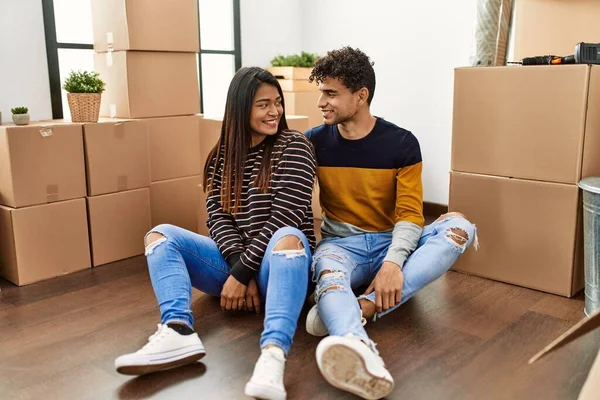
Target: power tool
(585,53)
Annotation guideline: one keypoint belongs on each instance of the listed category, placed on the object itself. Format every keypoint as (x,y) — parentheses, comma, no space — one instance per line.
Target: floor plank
(460,338)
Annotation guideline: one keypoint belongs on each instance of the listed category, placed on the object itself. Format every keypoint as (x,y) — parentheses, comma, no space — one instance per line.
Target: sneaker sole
(152,366)
(345,369)
(263,392)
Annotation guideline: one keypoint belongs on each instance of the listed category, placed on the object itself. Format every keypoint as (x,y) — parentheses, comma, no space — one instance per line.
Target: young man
(369,173)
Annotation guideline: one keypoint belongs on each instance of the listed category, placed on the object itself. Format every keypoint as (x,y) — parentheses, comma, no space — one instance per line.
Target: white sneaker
(267,379)
(315,325)
(165,349)
(347,363)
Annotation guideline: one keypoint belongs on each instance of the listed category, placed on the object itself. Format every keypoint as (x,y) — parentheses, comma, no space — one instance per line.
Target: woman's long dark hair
(237,140)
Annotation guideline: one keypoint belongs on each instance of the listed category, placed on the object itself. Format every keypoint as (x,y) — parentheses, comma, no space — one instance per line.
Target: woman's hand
(252,298)
(233,295)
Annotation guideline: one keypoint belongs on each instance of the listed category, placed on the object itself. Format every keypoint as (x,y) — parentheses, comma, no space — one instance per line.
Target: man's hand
(252,299)
(387,286)
(233,294)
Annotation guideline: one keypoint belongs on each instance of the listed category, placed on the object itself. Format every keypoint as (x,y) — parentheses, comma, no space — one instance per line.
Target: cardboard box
(118,224)
(175,202)
(202,213)
(210,131)
(530,232)
(591,387)
(297,85)
(117,156)
(527,122)
(151,25)
(291,72)
(304,103)
(41,164)
(297,122)
(142,84)
(554,26)
(174,144)
(43,241)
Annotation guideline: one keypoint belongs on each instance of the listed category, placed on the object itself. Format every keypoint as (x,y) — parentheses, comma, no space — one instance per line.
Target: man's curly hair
(351,66)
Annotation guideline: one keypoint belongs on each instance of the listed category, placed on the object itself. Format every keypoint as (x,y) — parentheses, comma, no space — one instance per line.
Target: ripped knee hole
(458,236)
(289,242)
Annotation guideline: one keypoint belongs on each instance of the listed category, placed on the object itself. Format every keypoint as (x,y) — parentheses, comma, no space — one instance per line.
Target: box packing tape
(51,193)
(122,183)
(119,129)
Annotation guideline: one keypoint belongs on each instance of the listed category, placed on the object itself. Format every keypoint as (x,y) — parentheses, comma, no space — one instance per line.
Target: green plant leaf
(84,82)
(19,110)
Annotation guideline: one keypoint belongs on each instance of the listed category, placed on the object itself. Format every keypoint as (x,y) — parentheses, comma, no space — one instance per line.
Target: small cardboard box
(591,387)
(117,156)
(43,241)
(554,26)
(118,224)
(175,202)
(304,103)
(534,122)
(530,232)
(41,163)
(142,84)
(149,25)
(174,147)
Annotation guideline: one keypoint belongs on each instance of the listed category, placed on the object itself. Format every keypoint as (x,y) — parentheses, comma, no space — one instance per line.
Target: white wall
(23,63)
(415,46)
(269,28)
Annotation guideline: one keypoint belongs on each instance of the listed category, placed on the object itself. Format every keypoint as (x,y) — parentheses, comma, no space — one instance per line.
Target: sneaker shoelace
(156,336)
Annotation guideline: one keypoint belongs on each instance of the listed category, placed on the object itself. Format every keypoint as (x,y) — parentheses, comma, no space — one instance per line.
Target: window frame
(52,46)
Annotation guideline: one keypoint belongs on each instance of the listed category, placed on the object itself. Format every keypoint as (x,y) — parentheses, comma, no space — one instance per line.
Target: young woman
(259,179)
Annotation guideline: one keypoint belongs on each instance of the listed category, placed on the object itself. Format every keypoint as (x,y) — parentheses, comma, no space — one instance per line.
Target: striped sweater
(243,238)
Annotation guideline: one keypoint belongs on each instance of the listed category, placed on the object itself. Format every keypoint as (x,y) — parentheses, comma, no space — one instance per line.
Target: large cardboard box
(538,123)
(117,156)
(174,147)
(304,103)
(297,122)
(41,164)
(141,84)
(175,202)
(43,241)
(118,224)
(530,232)
(151,25)
(554,26)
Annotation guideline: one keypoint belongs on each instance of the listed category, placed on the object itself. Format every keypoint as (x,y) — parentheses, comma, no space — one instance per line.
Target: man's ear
(363,95)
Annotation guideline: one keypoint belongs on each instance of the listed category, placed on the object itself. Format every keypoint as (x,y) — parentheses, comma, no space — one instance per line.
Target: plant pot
(21,119)
(84,107)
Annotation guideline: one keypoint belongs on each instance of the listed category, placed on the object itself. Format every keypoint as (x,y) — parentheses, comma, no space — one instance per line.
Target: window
(69,46)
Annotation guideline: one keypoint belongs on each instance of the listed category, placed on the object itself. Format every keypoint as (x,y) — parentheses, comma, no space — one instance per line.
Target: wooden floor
(459,338)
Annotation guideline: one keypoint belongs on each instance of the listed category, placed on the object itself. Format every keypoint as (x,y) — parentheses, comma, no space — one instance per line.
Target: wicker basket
(85,107)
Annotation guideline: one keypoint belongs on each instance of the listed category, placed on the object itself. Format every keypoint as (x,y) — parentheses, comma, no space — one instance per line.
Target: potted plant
(294,66)
(20,115)
(84,90)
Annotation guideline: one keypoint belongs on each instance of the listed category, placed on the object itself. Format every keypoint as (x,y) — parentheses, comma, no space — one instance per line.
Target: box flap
(581,328)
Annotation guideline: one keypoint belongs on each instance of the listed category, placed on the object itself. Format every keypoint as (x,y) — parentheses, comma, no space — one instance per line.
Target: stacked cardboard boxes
(299,94)
(147,54)
(118,177)
(43,219)
(523,137)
